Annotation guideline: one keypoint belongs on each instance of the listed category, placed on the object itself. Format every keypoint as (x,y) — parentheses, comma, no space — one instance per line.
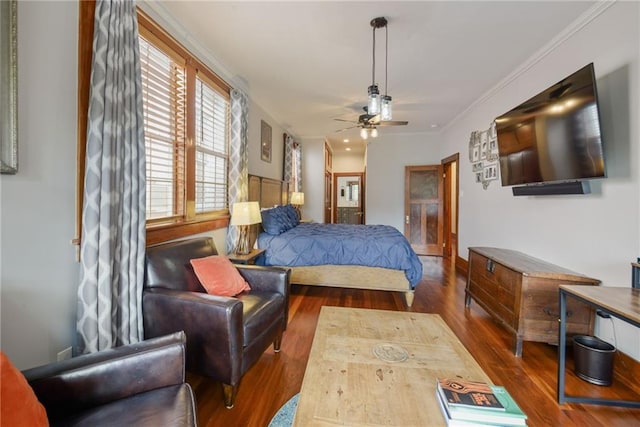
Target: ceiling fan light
(373,104)
(364,134)
(386,111)
(374,133)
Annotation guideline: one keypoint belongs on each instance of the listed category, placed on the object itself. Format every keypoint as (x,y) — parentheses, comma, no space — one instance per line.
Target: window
(181,103)
(186,124)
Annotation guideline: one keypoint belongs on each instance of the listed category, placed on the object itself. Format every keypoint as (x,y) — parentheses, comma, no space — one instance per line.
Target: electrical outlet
(65,354)
(603,314)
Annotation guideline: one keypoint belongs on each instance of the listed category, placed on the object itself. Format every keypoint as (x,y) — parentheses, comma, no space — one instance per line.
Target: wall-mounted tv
(555,136)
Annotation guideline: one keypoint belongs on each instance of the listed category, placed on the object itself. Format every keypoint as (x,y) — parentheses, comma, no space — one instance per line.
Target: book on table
(504,411)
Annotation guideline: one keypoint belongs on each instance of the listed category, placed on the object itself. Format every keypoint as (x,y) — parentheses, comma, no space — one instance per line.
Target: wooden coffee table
(378,367)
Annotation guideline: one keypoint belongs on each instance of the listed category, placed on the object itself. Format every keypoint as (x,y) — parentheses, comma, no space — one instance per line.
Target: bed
(373,257)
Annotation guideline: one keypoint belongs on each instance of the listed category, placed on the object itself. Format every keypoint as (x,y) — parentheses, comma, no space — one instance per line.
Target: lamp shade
(245,213)
(297,198)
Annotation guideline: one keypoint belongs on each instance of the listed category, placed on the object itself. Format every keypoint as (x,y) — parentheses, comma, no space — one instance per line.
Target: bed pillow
(20,406)
(219,276)
(292,214)
(275,221)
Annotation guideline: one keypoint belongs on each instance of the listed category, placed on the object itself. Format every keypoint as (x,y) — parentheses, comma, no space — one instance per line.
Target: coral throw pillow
(219,276)
(19,405)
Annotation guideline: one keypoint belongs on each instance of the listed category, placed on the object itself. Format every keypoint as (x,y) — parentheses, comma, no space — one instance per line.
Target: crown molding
(582,21)
(158,12)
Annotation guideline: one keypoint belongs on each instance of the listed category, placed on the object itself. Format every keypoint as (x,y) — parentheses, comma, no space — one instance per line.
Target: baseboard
(462,265)
(626,370)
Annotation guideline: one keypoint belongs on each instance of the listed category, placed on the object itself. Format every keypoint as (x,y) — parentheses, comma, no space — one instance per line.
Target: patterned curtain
(238,159)
(292,164)
(113,214)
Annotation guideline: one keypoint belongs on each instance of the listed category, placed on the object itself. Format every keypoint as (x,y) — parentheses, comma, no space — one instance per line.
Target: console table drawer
(522,292)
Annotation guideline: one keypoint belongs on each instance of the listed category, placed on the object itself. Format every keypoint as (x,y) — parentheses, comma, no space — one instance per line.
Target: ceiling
(308,63)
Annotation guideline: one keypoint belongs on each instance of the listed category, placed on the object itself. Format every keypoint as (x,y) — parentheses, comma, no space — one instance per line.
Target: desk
(621,303)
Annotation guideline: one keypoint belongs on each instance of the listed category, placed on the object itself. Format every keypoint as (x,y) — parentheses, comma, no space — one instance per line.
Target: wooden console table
(622,303)
(522,292)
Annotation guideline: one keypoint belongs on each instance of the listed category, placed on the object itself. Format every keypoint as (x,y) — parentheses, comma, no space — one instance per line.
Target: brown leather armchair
(140,384)
(225,335)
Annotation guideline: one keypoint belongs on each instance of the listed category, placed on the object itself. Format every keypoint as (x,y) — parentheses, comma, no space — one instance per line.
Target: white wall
(39,274)
(347,162)
(257,166)
(595,234)
(313,179)
(387,157)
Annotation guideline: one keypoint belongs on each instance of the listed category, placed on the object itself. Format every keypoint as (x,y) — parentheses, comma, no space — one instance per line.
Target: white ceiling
(307,63)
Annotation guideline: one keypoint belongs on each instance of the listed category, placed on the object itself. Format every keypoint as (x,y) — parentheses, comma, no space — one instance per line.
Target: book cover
(478,418)
(470,394)
(462,416)
(450,421)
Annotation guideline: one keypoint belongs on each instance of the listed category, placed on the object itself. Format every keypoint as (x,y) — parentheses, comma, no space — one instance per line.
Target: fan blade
(392,123)
(370,120)
(342,130)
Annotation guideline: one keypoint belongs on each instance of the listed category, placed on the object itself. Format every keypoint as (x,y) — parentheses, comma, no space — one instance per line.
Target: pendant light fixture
(379,104)
(368,131)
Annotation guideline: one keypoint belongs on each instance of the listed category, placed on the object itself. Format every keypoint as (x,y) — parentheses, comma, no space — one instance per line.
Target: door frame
(363,205)
(451,239)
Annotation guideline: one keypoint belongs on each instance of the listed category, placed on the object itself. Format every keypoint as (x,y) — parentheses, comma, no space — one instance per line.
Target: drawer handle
(548,312)
(490,266)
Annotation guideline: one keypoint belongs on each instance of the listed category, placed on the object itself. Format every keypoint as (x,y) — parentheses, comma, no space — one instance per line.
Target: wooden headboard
(268,193)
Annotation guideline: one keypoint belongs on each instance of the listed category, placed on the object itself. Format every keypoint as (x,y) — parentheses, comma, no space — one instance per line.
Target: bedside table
(249,258)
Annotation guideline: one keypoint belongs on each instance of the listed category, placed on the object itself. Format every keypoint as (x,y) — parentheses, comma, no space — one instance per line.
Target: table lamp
(297,200)
(243,215)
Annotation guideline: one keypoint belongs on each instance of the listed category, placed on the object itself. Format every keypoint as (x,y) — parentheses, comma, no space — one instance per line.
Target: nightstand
(249,258)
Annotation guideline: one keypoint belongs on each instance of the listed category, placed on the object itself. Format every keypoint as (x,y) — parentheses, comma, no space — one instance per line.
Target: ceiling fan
(370,122)
(378,111)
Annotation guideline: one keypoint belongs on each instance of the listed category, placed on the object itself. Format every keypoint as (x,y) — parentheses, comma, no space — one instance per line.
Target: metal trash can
(593,359)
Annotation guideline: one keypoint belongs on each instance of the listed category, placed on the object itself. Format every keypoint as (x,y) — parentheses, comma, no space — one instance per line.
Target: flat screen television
(555,136)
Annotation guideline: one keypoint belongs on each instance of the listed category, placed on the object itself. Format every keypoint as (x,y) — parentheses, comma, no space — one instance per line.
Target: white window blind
(211,141)
(164,89)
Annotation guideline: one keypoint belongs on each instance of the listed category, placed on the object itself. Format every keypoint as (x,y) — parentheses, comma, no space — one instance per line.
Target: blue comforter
(342,244)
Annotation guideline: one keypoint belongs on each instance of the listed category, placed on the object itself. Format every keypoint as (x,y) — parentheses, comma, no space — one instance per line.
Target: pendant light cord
(386,57)
(373,67)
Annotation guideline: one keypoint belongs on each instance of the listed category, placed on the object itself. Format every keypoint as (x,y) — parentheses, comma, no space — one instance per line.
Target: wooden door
(423,193)
(327,198)
(450,197)
(328,165)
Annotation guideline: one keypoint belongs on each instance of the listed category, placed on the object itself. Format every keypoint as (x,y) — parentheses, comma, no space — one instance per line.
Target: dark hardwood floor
(531,379)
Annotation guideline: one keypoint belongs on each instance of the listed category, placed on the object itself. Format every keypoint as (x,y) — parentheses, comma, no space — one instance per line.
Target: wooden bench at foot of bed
(354,276)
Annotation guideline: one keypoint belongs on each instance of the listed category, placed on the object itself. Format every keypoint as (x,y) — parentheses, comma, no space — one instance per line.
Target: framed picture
(484,145)
(474,147)
(265,141)
(490,172)
(8,87)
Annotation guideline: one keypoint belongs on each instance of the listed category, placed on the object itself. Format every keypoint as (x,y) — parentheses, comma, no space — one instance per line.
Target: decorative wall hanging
(265,141)
(9,84)
(483,155)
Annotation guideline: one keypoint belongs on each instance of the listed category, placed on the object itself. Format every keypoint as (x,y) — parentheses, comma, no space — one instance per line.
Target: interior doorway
(348,198)
(450,198)
(423,200)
